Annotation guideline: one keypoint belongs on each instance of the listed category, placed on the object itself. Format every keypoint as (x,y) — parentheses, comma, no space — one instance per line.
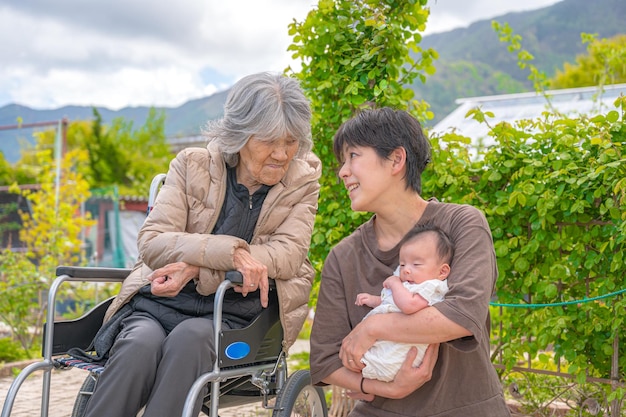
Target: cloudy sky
(119,53)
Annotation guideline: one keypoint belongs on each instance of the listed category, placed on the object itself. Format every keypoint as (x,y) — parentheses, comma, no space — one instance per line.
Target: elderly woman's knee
(140,335)
(193,333)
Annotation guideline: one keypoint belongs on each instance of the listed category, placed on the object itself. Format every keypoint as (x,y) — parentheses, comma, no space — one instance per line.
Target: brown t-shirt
(464,382)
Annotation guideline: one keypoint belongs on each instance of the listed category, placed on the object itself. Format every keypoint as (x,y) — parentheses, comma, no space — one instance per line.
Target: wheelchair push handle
(235,277)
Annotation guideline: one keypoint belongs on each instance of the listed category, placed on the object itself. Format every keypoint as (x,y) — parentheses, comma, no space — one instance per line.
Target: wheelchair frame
(267,373)
(266,376)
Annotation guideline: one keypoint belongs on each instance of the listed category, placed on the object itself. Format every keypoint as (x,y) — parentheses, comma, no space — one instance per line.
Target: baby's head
(426,253)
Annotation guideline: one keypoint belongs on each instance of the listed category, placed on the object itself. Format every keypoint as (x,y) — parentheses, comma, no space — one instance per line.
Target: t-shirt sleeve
(433,290)
(331,312)
(473,273)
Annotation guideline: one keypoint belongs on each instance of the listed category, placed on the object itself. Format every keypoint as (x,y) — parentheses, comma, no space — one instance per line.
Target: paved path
(66,384)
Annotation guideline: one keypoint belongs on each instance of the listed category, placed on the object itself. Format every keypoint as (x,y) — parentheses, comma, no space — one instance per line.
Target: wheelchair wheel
(299,398)
(80,405)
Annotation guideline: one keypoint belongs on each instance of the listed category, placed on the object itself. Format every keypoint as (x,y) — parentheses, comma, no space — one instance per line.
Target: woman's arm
(292,220)
(169,280)
(427,326)
(175,231)
(407,380)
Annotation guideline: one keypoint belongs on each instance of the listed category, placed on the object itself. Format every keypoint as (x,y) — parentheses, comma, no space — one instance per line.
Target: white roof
(512,107)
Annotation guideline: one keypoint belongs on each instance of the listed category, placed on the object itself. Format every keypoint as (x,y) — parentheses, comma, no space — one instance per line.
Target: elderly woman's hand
(254,275)
(170,279)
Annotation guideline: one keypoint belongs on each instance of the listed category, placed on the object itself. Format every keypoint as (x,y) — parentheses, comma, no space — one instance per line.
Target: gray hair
(269,106)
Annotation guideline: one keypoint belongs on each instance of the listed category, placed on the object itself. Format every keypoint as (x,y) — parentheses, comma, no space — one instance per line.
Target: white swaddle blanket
(384,359)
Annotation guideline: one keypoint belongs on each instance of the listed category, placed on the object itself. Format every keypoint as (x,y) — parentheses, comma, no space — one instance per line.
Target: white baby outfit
(384,359)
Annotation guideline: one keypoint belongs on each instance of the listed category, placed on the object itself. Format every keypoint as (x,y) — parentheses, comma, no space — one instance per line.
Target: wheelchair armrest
(93,273)
(60,336)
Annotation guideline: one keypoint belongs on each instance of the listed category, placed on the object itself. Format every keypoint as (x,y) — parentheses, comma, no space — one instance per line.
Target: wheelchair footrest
(69,362)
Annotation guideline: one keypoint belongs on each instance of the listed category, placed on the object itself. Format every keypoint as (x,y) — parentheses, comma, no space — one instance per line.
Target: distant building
(111,242)
(512,107)
(10,220)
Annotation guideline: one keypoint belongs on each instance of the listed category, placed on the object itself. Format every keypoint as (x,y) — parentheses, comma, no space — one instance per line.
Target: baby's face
(419,261)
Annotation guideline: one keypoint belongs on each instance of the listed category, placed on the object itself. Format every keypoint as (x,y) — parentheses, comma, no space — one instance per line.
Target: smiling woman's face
(366,176)
(264,161)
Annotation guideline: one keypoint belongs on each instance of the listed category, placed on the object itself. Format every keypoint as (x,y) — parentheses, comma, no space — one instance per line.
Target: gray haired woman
(247,202)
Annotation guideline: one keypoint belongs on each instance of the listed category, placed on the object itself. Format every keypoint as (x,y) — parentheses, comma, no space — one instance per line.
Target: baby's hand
(362,299)
(392,280)
(365,299)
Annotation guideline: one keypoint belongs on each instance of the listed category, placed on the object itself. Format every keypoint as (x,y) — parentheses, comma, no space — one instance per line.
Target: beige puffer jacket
(186,210)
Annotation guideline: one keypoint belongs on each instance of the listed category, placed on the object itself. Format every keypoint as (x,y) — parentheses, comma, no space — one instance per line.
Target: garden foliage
(553,188)
(51,233)
(354,54)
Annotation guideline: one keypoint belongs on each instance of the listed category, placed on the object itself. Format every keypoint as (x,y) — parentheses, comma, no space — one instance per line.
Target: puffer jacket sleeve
(171,233)
(284,234)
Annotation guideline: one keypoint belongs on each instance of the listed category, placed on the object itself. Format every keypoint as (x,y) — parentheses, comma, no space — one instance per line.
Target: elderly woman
(247,202)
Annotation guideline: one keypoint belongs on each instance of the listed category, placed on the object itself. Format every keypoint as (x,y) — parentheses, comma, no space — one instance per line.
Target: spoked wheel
(299,398)
(84,395)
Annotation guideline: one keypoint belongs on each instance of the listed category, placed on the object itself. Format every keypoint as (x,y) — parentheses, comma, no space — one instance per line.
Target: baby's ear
(444,271)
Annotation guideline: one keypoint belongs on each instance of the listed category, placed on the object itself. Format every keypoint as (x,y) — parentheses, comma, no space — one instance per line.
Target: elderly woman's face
(264,161)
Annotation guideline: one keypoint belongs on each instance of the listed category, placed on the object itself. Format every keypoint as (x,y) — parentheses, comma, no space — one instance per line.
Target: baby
(419,282)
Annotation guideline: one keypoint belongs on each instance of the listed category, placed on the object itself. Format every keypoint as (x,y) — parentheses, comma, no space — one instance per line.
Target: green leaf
(521,264)
(612,116)
(551,291)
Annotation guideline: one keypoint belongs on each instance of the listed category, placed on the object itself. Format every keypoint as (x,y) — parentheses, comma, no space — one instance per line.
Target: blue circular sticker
(237,350)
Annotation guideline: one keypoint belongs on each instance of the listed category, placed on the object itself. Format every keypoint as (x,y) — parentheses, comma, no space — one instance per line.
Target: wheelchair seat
(258,342)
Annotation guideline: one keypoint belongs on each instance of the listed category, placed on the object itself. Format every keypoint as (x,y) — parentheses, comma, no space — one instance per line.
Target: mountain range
(472,62)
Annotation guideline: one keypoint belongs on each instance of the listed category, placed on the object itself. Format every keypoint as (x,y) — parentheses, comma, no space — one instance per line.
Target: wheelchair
(250,366)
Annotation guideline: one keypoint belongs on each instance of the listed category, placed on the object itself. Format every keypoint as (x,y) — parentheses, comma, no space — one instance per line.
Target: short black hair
(384,130)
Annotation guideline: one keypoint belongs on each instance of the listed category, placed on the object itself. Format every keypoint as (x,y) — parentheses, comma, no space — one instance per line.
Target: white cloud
(172,86)
(449,14)
(119,53)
